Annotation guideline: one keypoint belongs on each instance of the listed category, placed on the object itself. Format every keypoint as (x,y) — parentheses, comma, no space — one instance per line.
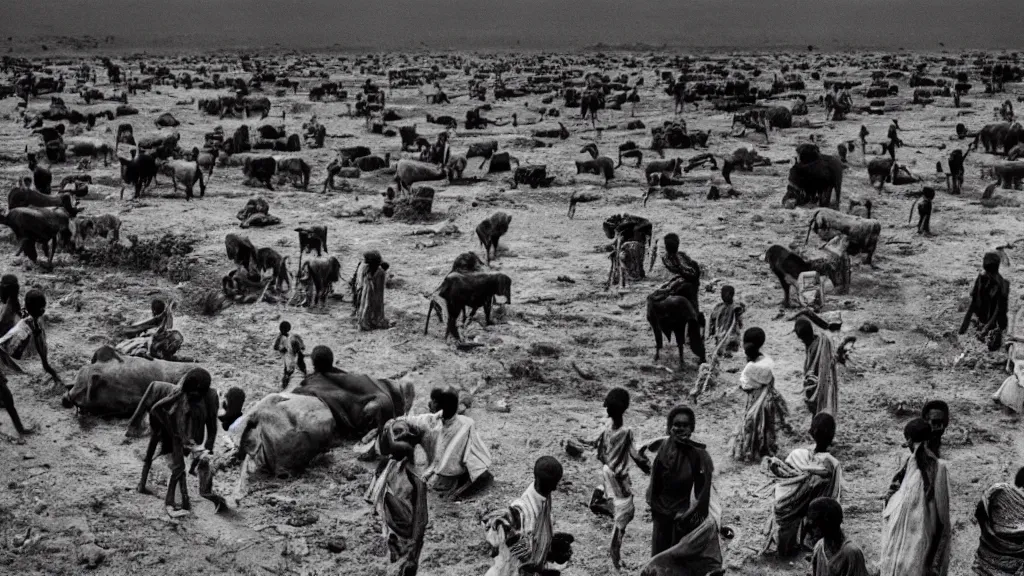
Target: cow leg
(247,468)
(657,340)
(680,332)
(696,342)
(487,311)
(453,313)
(785,293)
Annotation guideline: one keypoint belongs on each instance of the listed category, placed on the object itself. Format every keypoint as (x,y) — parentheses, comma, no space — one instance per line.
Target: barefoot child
(615,446)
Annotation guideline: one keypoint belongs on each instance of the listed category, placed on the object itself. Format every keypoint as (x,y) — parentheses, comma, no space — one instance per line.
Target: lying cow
(284,431)
(113,384)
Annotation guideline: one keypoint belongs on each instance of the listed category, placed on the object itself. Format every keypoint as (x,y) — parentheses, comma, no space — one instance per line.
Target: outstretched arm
(140,327)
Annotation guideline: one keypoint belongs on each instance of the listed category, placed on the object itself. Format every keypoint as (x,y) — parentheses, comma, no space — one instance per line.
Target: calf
(312,239)
(600,166)
(261,169)
(490,232)
(186,173)
(295,169)
(675,315)
(318,276)
(269,259)
(104,225)
(241,251)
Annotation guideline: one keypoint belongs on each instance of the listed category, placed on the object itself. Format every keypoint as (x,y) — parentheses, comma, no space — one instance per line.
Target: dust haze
(558,24)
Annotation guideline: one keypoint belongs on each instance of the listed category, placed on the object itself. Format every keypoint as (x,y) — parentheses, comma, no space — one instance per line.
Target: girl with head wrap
(684,511)
(916,526)
(765,409)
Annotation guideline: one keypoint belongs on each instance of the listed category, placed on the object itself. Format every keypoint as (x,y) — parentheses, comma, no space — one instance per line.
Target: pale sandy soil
(74,479)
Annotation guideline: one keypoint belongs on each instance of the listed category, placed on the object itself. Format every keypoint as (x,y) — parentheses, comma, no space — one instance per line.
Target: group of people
(807,513)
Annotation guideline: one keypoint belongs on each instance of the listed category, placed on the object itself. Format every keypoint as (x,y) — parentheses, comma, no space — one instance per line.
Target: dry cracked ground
(69,489)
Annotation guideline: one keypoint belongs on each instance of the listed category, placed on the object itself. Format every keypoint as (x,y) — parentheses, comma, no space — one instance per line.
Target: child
(615,446)
(523,534)
(726,323)
(29,337)
(292,352)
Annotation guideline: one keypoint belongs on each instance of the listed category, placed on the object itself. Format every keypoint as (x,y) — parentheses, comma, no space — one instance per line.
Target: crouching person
(523,533)
(459,461)
(183,418)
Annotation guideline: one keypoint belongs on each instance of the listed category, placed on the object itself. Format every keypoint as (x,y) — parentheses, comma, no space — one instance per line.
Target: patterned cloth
(804,476)
(911,523)
(766,409)
(522,534)
(821,377)
(399,497)
(1001,546)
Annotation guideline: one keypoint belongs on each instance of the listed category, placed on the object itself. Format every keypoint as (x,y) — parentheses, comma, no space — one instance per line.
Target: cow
(260,169)
(675,315)
(184,172)
(473,290)
(295,169)
(318,276)
(241,251)
(490,231)
(284,431)
(113,384)
(267,259)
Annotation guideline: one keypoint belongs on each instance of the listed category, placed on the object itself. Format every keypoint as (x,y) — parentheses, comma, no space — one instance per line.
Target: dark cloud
(527,23)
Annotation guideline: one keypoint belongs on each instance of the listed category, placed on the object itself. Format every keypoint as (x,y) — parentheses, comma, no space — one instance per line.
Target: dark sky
(530,23)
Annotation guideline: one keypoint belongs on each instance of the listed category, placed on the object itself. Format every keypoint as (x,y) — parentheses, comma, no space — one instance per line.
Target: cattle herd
(456,169)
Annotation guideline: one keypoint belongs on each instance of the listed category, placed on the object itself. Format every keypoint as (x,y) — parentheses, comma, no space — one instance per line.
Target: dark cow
(490,232)
(318,276)
(675,315)
(260,169)
(241,251)
(460,291)
(267,259)
(312,239)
